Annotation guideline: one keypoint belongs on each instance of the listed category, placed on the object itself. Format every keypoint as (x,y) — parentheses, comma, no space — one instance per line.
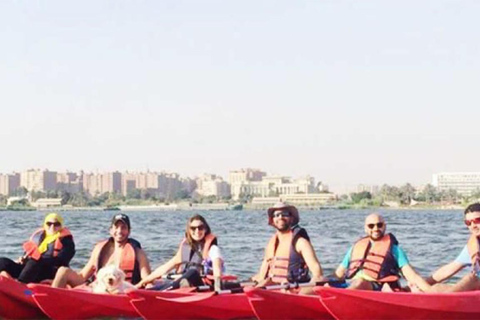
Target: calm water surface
(430,238)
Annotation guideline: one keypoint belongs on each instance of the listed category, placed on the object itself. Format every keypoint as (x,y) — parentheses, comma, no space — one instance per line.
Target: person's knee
(62,272)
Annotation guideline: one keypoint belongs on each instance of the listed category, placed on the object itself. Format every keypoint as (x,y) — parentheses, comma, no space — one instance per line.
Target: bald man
(376,260)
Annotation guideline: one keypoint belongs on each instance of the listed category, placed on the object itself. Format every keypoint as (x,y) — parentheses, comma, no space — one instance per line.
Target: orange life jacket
(376,261)
(31,246)
(285,264)
(128,263)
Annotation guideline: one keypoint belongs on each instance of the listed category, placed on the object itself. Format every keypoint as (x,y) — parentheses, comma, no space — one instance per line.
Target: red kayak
(156,305)
(356,304)
(16,302)
(269,304)
(80,304)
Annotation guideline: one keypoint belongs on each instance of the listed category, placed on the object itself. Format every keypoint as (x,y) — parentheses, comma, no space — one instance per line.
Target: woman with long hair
(198,260)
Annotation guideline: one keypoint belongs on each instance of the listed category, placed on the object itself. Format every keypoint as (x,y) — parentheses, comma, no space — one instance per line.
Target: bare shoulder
(302,243)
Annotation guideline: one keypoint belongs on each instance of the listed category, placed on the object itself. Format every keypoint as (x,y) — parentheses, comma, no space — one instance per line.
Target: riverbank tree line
(407,195)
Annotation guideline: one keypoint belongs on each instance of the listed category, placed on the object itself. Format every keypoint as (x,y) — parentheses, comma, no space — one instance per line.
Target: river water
(430,238)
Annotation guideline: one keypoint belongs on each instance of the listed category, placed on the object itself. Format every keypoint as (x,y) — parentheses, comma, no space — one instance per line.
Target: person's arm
(89,269)
(260,277)
(445,272)
(217,263)
(143,263)
(161,270)
(413,277)
(341,271)
(305,248)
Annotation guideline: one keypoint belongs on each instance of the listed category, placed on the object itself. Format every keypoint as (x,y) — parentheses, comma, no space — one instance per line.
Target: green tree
(429,194)
(20,192)
(406,193)
(357,197)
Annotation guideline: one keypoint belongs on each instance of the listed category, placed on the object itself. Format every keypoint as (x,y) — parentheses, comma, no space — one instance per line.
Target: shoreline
(226,207)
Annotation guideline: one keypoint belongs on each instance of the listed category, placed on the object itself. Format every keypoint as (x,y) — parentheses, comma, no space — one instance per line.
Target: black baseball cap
(121,217)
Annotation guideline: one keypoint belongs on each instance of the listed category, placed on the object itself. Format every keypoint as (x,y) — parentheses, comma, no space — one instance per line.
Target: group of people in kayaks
(374,262)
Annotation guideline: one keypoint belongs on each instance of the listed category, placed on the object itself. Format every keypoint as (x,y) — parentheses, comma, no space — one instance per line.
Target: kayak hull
(356,304)
(59,303)
(268,304)
(16,302)
(158,305)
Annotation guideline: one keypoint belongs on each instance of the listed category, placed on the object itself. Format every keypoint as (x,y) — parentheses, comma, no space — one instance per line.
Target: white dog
(111,279)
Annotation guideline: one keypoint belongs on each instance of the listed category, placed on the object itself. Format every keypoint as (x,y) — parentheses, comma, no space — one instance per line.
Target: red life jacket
(285,264)
(376,261)
(128,261)
(31,246)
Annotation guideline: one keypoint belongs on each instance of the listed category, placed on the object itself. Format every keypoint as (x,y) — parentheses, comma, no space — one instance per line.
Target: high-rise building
(9,183)
(69,181)
(465,183)
(212,185)
(159,184)
(243,175)
(38,180)
(99,183)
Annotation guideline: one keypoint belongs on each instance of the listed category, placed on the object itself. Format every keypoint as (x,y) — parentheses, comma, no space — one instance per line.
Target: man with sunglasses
(377,260)
(289,255)
(120,250)
(470,256)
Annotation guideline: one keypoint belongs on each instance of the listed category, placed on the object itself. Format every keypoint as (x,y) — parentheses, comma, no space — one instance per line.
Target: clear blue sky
(347,91)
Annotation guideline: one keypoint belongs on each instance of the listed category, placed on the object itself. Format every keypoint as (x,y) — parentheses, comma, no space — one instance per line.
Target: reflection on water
(430,238)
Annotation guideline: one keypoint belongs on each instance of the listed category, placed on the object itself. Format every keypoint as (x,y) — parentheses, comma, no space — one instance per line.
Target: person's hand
(21,260)
(140,285)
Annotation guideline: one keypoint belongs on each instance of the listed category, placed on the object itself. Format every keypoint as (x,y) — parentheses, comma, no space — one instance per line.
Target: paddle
(285,286)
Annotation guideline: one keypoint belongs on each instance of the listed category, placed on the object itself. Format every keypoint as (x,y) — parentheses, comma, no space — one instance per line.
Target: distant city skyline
(65,174)
(347,92)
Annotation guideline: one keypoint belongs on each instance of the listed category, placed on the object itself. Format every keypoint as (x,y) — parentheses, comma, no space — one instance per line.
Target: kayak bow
(16,302)
(359,304)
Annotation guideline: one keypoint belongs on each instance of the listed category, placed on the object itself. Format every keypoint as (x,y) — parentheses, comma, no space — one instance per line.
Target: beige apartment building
(212,185)
(9,183)
(243,175)
(38,180)
(70,182)
(158,183)
(99,183)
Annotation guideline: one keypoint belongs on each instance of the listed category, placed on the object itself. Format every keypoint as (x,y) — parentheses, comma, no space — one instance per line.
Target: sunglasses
(281,214)
(56,224)
(474,220)
(200,228)
(378,224)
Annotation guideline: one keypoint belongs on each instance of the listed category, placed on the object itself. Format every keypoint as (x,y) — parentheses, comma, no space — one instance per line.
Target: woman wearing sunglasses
(49,248)
(198,260)
(470,256)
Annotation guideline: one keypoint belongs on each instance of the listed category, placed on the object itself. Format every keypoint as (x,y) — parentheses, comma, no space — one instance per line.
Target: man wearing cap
(120,250)
(376,262)
(289,255)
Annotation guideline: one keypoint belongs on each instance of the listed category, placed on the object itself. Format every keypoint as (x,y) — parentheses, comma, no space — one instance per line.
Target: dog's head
(111,276)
